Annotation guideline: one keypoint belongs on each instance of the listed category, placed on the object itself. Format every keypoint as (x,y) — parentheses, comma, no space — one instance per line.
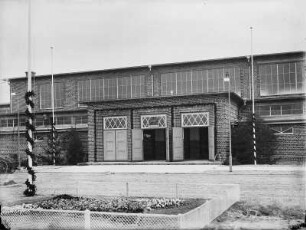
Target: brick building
(166,112)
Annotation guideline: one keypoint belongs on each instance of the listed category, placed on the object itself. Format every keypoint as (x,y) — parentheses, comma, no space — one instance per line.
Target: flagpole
(31,188)
(52,103)
(29,86)
(253,99)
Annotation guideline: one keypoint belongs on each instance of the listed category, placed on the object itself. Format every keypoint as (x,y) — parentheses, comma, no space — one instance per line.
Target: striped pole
(253,101)
(53,141)
(31,188)
(52,103)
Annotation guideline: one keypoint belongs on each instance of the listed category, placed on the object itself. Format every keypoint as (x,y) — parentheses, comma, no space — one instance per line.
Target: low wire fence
(67,219)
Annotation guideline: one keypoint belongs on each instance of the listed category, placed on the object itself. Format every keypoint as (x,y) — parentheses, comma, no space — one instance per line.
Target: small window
(23,121)
(39,121)
(115,123)
(81,119)
(65,120)
(195,119)
(278,130)
(153,121)
(3,122)
(10,122)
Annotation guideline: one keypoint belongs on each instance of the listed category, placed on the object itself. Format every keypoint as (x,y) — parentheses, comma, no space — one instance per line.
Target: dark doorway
(196,143)
(154,144)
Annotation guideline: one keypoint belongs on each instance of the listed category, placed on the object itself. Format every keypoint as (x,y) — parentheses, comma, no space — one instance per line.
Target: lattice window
(282,130)
(153,121)
(195,119)
(115,122)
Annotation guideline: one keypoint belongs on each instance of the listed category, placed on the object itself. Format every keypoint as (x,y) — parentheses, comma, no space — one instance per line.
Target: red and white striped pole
(253,101)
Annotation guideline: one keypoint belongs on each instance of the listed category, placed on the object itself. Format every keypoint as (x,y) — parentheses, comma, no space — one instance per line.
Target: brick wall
(216,105)
(153,100)
(291,147)
(9,147)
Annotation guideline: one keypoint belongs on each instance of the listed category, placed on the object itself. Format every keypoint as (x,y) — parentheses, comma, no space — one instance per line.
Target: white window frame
(114,117)
(205,114)
(283,132)
(143,117)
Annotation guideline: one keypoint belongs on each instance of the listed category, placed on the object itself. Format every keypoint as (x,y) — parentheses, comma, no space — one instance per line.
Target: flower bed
(118,204)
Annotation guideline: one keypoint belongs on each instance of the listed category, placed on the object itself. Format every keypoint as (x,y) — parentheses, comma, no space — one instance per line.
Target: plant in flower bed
(108,204)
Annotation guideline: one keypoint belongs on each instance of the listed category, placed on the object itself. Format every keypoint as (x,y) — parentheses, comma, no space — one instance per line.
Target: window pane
(96,89)
(84,90)
(220,74)
(168,82)
(237,84)
(45,96)
(59,120)
(300,85)
(10,122)
(124,87)
(58,95)
(282,78)
(39,121)
(181,83)
(22,121)
(275,110)
(264,110)
(138,86)
(188,77)
(110,88)
(210,81)
(3,122)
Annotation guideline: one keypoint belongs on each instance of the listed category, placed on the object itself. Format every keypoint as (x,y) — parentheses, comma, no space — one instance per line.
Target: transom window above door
(153,121)
(195,119)
(115,122)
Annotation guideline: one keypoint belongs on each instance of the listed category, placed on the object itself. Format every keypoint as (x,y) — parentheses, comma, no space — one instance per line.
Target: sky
(101,34)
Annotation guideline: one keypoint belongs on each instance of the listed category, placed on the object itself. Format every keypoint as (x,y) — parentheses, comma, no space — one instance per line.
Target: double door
(115,145)
(179,145)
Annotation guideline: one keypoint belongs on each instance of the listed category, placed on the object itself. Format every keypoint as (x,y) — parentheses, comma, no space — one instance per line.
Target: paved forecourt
(262,183)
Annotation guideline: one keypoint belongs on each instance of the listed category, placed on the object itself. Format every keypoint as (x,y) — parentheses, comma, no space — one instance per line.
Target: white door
(109,145)
(178,144)
(211,142)
(167,145)
(121,145)
(137,148)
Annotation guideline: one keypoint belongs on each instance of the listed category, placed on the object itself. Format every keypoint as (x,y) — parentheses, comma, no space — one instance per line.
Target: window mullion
(281,110)
(103,93)
(270,112)
(296,83)
(277,79)
(175,83)
(131,81)
(223,80)
(191,90)
(207,81)
(117,87)
(152,76)
(89,89)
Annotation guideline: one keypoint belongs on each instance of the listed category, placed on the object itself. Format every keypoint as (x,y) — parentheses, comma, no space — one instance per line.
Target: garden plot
(201,209)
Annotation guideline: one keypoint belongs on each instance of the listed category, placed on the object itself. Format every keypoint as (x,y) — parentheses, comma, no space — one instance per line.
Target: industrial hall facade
(165,112)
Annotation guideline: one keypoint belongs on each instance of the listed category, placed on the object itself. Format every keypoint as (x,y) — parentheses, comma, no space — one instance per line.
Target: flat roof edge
(164,64)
